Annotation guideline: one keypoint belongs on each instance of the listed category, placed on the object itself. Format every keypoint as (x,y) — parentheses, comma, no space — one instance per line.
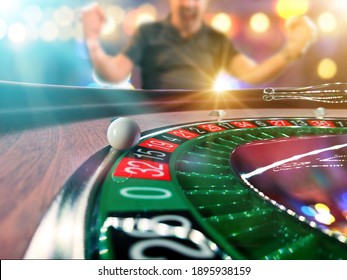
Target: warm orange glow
(327,69)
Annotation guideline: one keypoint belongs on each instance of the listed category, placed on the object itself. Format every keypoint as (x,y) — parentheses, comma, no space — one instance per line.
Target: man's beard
(188,16)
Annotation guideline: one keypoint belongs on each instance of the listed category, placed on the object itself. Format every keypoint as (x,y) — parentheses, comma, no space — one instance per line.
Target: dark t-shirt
(168,61)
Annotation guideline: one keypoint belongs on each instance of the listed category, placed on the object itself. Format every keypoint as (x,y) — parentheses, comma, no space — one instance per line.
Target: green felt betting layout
(175,196)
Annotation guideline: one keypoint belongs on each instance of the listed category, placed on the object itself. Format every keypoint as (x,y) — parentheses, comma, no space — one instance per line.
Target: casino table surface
(47,132)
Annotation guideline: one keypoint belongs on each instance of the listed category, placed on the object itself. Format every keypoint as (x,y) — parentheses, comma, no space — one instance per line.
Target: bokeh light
(289,8)
(324,218)
(327,69)
(8,7)
(32,14)
(116,13)
(222,22)
(49,31)
(327,22)
(259,23)
(64,16)
(109,27)
(66,33)
(323,214)
(78,31)
(134,18)
(149,9)
(146,13)
(143,18)
(114,18)
(308,211)
(3,28)
(17,32)
(320,212)
(32,32)
(322,208)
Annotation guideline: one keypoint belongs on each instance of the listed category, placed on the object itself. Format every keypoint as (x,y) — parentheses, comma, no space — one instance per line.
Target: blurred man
(183,52)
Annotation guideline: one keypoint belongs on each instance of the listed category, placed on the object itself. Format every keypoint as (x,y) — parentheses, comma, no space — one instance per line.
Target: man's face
(188,14)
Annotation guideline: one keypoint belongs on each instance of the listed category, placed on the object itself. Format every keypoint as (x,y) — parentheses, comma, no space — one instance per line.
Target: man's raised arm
(301,33)
(112,69)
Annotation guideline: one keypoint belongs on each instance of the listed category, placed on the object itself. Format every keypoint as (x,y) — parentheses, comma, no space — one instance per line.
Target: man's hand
(301,32)
(93,19)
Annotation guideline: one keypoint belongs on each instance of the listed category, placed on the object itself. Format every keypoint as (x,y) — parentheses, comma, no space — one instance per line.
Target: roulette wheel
(262,181)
